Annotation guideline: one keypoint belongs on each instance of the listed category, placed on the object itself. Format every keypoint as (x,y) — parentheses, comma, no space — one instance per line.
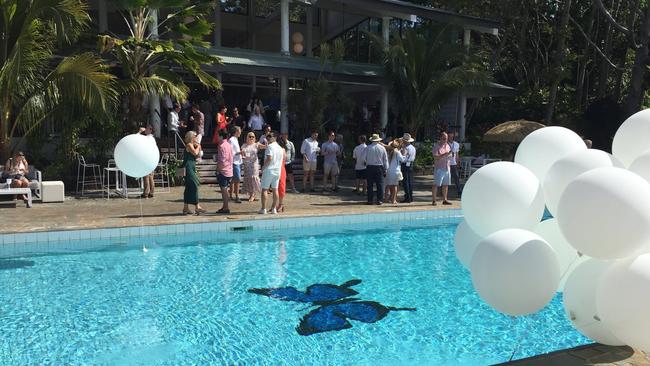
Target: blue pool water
(186,303)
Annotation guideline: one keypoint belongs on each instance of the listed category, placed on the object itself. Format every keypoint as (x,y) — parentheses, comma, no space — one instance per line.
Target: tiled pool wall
(50,242)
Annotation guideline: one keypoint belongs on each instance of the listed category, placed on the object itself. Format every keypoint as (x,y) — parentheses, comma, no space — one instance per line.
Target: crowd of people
(380,167)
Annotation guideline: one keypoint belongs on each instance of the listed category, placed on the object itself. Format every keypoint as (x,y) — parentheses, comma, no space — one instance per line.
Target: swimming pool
(186,300)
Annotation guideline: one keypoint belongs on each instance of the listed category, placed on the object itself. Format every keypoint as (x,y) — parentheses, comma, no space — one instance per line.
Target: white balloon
(631,139)
(566,254)
(542,148)
(465,243)
(563,171)
(580,301)
(641,166)
(136,155)
(622,299)
(570,270)
(515,271)
(605,213)
(502,195)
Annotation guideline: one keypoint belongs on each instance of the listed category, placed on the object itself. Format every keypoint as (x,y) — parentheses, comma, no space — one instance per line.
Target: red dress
(282,186)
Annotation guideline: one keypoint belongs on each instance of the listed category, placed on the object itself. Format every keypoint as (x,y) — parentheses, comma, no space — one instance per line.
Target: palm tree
(150,64)
(424,68)
(34,84)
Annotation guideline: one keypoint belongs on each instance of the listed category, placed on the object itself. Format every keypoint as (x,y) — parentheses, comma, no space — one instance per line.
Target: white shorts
(331,169)
(308,166)
(270,180)
(441,177)
(199,138)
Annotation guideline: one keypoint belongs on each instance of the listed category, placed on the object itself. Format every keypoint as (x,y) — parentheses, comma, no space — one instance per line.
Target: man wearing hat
(408,151)
(376,161)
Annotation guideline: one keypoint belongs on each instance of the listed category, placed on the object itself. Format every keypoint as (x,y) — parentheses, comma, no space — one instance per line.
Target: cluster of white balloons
(136,155)
(596,249)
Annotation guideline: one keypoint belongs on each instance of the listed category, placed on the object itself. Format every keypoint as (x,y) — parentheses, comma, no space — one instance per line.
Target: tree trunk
(558,60)
(5,115)
(635,91)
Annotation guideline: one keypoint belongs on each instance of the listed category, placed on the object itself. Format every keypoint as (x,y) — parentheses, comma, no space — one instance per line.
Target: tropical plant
(150,58)
(424,68)
(34,85)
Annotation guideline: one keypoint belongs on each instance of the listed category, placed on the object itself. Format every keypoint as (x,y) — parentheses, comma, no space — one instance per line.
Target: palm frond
(154,84)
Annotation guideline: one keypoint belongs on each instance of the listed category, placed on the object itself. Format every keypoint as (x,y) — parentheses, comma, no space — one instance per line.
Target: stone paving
(165,208)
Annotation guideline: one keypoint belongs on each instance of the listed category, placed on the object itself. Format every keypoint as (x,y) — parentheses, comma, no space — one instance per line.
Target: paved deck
(165,208)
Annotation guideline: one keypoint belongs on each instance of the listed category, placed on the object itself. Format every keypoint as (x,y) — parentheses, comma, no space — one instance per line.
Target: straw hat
(407,138)
(375,138)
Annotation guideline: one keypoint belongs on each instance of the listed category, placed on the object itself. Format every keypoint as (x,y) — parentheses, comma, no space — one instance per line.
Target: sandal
(223,211)
(433,203)
(200,210)
(188,212)
(446,202)
(280,208)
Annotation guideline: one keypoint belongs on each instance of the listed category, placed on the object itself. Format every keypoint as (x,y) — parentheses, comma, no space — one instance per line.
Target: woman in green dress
(191,194)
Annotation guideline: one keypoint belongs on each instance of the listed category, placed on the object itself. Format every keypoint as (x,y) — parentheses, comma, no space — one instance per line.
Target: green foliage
(34,84)
(147,61)
(172,165)
(424,155)
(424,69)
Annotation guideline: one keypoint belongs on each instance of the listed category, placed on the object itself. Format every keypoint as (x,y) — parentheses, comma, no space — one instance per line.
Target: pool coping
(269,223)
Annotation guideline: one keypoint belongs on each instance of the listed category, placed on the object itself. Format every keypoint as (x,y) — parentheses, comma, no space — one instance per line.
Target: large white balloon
(465,243)
(580,301)
(622,299)
(136,155)
(502,195)
(568,168)
(566,254)
(515,271)
(631,139)
(542,148)
(641,166)
(605,213)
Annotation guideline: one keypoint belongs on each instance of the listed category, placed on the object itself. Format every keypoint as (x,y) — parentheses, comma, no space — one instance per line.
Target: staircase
(207,167)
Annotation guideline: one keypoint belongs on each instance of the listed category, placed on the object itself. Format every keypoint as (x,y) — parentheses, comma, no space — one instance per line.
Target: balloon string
(142,224)
(566,271)
(521,336)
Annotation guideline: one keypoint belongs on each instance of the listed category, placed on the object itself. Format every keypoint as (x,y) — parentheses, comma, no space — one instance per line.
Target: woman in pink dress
(251,166)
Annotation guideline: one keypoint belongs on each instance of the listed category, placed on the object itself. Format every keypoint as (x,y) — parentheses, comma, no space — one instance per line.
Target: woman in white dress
(394,173)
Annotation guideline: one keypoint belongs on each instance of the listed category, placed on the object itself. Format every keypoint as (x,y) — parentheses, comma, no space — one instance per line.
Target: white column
(385,32)
(103,16)
(309,37)
(462,105)
(284,110)
(284,21)
(154,99)
(216,34)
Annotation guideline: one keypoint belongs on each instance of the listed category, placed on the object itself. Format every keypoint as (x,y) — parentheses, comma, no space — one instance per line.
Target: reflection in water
(15,263)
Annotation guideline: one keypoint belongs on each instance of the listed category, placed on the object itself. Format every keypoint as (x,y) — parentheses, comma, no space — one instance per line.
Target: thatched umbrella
(512,131)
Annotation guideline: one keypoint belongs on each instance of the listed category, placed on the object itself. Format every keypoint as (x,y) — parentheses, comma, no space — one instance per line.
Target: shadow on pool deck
(591,354)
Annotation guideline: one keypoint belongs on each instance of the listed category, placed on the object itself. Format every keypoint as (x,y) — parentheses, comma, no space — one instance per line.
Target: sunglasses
(251,137)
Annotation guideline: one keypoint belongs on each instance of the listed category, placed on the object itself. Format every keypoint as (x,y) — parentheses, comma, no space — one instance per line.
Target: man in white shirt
(271,172)
(376,162)
(330,151)
(237,161)
(408,151)
(359,156)
(309,151)
(454,163)
(174,121)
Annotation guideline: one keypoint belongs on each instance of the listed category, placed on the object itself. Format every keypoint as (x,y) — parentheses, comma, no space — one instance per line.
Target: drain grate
(241,228)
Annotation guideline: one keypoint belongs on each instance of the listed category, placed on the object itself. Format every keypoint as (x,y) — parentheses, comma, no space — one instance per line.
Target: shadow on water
(15,264)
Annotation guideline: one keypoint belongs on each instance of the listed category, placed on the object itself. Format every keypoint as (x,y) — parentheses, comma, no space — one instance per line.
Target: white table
(16,191)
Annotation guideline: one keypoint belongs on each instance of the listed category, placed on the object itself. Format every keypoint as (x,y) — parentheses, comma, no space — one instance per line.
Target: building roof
(266,63)
(406,10)
(248,62)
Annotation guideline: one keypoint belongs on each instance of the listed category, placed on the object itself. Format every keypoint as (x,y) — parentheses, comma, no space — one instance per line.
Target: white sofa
(34,184)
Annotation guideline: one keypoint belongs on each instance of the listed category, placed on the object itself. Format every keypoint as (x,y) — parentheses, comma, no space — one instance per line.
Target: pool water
(187,303)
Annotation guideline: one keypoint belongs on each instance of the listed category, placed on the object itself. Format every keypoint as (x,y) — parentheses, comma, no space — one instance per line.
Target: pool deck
(165,208)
